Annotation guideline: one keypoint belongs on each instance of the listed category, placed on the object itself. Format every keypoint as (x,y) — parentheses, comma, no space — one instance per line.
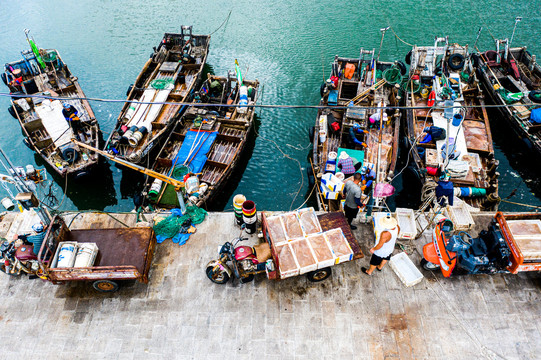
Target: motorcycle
(246,261)
(17,257)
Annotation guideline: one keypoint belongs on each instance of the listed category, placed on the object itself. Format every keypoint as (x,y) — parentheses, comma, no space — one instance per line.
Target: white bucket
(86,255)
(8,204)
(340,175)
(66,256)
(332,156)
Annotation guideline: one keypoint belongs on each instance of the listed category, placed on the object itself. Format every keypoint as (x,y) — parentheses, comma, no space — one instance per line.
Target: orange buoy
(431,98)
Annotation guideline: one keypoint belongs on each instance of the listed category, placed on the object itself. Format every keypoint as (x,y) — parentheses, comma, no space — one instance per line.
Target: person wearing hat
(445,190)
(70,114)
(385,242)
(345,163)
(352,192)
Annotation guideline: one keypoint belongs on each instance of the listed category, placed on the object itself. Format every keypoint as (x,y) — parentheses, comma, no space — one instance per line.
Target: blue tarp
(203,141)
(535,116)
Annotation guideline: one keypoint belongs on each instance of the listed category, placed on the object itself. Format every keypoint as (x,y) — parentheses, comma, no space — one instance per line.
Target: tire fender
(402,67)
(451,60)
(407,59)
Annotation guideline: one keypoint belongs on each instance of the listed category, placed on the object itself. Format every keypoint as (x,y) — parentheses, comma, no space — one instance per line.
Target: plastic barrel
(238,200)
(249,216)
(86,255)
(66,256)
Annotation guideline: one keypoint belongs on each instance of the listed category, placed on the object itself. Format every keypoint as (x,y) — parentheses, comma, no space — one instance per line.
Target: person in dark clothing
(353,193)
(71,115)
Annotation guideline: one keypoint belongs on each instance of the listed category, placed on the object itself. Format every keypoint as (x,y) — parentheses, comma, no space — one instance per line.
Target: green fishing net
(392,76)
(508,96)
(161,84)
(171,226)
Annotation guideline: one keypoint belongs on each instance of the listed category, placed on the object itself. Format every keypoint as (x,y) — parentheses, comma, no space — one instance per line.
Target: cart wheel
(105,285)
(319,275)
(217,277)
(247,279)
(428,266)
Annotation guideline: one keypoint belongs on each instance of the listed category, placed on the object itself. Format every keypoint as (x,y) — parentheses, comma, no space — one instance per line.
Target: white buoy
(8,204)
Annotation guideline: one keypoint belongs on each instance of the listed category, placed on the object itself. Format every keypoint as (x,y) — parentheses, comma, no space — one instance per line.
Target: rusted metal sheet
(95,273)
(334,220)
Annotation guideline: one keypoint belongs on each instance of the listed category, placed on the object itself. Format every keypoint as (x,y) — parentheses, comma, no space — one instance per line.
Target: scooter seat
(262,251)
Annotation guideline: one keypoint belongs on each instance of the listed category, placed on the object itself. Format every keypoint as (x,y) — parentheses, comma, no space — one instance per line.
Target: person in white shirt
(385,242)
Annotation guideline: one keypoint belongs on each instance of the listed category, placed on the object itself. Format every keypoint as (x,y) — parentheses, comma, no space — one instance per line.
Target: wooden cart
(124,254)
(327,221)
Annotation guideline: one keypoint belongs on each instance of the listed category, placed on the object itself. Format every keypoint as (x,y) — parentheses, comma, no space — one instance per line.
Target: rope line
(266,106)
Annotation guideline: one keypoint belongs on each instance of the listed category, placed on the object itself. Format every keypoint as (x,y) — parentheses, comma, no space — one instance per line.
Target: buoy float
(431,98)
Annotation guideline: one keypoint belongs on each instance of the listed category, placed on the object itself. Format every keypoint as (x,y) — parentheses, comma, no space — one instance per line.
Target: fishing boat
(207,142)
(512,78)
(354,98)
(51,109)
(167,78)
(446,111)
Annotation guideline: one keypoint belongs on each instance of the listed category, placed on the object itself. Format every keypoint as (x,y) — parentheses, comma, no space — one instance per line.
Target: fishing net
(172,225)
(49,56)
(161,84)
(180,171)
(406,86)
(392,76)
(508,96)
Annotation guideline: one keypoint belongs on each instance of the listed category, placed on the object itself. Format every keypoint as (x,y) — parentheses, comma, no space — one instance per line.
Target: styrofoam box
(332,183)
(328,195)
(322,263)
(343,257)
(406,221)
(405,269)
(273,219)
(305,269)
(313,215)
(291,272)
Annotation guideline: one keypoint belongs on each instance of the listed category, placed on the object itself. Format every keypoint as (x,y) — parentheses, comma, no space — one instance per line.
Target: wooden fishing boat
(207,140)
(35,81)
(169,76)
(353,95)
(444,93)
(512,78)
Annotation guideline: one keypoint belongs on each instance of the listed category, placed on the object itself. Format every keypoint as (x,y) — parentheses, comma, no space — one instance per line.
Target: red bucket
(248,208)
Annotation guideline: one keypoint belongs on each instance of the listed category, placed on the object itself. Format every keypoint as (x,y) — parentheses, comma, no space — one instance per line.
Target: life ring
(402,67)
(408,57)
(431,98)
(535,96)
(456,61)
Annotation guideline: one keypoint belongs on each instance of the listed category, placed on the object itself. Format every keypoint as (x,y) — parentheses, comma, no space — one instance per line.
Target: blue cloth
(535,116)
(203,141)
(444,189)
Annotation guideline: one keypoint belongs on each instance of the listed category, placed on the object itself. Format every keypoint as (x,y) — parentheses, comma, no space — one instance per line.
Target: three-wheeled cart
(511,244)
(312,252)
(123,254)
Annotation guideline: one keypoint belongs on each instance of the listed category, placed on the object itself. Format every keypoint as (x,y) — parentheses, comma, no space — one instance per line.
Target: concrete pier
(180,314)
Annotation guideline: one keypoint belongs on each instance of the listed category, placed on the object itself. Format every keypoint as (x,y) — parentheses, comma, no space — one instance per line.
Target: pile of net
(508,96)
(161,84)
(178,227)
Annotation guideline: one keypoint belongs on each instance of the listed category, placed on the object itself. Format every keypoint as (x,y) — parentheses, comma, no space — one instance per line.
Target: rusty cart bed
(124,254)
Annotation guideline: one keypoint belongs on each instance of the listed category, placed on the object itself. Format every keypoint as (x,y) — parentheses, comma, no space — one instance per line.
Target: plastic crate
(404,268)
(460,216)
(406,221)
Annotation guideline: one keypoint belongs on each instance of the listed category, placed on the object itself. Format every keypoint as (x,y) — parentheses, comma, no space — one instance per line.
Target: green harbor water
(287,45)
